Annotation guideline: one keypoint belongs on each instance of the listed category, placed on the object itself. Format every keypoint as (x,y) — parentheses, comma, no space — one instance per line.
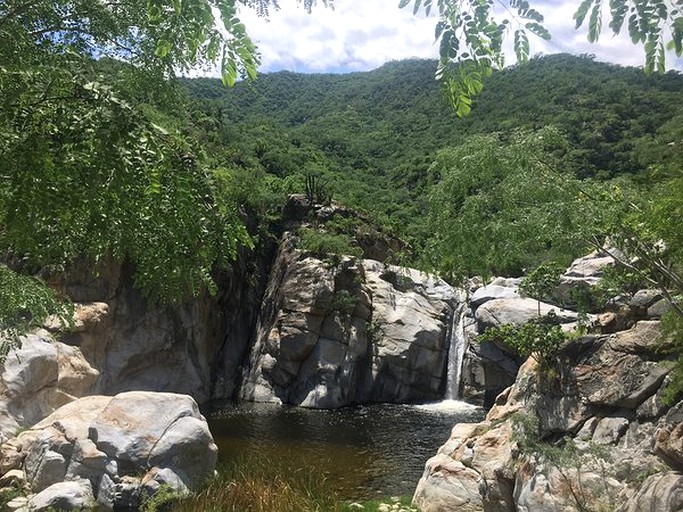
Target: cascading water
(456,353)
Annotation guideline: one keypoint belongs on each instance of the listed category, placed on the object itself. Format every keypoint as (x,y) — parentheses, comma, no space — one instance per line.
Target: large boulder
(352,331)
(518,311)
(583,274)
(498,288)
(72,495)
(122,446)
(38,377)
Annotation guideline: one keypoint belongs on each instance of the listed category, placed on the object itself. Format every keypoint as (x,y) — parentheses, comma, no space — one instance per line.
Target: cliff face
(121,342)
(352,331)
(590,433)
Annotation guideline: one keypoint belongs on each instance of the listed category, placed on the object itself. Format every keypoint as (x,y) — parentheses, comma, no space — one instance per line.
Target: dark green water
(363,452)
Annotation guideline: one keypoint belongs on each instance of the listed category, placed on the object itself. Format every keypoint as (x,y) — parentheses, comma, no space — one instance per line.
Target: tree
(501,206)
(90,166)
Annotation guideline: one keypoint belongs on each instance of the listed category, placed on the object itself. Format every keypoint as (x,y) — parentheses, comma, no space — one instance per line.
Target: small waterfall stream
(456,352)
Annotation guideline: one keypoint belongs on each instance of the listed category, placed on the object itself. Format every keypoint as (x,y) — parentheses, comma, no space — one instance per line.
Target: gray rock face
(492,292)
(122,447)
(194,348)
(583,273)
(357,331)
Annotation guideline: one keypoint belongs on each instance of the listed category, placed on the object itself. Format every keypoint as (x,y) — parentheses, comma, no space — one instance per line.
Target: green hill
(375,134)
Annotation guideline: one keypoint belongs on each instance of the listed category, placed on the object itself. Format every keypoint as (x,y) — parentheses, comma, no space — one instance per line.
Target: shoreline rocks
(112,450)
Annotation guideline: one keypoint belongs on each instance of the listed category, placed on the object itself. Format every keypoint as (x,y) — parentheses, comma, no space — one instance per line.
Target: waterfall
(456,352)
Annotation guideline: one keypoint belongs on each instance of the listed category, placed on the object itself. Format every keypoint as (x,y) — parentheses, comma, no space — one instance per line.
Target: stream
(364,452)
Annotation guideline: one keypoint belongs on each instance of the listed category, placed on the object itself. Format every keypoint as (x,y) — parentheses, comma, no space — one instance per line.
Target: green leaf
(595,22)
(677,36)
(539,30)
(634,29)
(618,10)
(403,3)
(163,48)
(582,11)
(521,45)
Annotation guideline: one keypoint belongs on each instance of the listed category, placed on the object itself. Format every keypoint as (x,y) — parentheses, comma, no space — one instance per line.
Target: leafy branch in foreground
(25,302)
(471,33)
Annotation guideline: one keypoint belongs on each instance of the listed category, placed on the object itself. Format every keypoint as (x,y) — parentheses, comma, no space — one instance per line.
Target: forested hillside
(375,135)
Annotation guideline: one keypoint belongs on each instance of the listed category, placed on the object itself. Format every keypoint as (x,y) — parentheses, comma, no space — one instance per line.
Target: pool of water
(363,452)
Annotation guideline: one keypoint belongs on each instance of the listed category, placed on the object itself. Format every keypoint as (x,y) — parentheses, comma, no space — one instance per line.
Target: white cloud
(360,35)
(355,36)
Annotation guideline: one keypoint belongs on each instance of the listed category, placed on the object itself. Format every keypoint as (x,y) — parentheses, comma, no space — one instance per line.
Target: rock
(13,478)
(156,478)
(518,311)
(160,429)
(19,504)
(39,377)
(669,445)
(73,495)
(645,337)
(583,273)
(658,309)
(604,390)
(121,445)
(550,488)
(448,485)
(535,491)
(355,332)
(11,456)
(472,471)
(609,430)
(643,299)
(492,292)
(613,379)
(662,492)
(195,347)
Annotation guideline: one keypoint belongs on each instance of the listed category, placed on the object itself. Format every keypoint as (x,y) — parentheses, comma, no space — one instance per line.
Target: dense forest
(375,136)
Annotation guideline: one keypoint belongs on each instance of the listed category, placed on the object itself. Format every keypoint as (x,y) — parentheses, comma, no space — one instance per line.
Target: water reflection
(362,451)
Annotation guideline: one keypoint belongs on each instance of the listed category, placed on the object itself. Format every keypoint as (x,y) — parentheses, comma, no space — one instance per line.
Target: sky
(360,35)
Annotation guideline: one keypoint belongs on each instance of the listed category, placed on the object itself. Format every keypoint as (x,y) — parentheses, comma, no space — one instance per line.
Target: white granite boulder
(124,447)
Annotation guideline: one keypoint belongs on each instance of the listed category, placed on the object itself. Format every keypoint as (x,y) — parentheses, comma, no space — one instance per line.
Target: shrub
(540,339)
(322,244)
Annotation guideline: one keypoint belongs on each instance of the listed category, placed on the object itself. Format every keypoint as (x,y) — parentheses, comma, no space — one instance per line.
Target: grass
(257,484)
(253,484)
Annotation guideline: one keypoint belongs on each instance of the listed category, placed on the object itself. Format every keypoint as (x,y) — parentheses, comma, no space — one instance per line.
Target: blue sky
(359,35)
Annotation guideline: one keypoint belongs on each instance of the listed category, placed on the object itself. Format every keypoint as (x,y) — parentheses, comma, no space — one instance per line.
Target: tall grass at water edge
(256,484)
